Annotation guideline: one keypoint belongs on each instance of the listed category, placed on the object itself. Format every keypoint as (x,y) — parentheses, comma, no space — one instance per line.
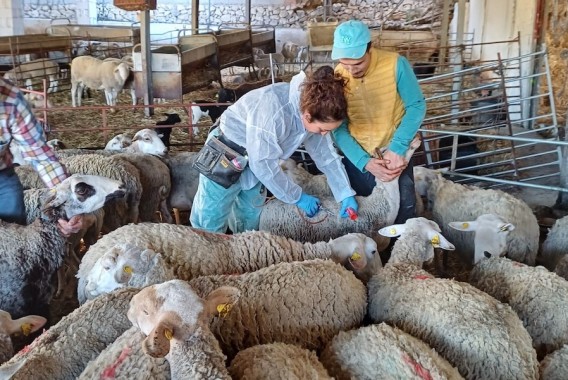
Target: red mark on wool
(418,369)
(422,277)
(110,371)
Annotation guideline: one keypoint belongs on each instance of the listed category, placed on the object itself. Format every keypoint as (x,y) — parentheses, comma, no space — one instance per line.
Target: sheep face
(491,233)
(357,251)
(81,194)
(118,142)
(147,141)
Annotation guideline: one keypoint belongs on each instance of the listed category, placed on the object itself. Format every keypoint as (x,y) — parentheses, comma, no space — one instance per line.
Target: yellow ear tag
(435,240)
(168,334)
(355,256)
(127,269)
(465,225)
(26,329)
(392,231)
(223,309)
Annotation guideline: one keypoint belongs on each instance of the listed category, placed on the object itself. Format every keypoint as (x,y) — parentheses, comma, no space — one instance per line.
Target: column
(11,17)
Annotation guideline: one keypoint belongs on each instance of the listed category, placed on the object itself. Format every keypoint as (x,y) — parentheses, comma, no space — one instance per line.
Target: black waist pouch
(220,163)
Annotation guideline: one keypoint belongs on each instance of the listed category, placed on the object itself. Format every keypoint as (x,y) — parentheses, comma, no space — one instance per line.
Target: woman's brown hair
(323,96)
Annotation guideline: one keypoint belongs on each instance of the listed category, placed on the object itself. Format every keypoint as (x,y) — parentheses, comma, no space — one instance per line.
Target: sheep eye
(145,312)
(374,252)
(146,139)
(107,268)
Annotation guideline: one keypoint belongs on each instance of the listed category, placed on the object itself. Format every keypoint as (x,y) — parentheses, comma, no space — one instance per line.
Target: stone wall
(397,13)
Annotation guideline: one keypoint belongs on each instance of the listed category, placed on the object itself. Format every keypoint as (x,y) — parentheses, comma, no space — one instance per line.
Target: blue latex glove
(309,204)
(348,202)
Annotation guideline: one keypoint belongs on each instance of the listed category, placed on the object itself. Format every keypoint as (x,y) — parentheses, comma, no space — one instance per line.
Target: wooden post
(444,33)
(195,15)
(146,55)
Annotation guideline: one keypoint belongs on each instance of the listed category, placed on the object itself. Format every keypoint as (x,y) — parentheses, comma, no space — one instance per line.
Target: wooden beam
(195,14)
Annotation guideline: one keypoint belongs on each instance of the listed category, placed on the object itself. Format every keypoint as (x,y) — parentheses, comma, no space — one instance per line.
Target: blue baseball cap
(350,40)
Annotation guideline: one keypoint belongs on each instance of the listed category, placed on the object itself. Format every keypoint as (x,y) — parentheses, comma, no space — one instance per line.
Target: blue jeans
(364,183)
(12,207)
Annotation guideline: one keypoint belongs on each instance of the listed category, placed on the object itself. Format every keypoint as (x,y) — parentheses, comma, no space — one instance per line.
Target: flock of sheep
(302,298)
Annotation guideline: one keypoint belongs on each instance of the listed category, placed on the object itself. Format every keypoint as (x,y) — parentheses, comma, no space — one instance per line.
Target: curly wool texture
(121,211)
(302,303)
(555,366)
(537,295)
(555,248)
(384,352)
(29,177)
(277,361)
(63,351)
(192,253)
(124,359)
(454,202)
(480,336)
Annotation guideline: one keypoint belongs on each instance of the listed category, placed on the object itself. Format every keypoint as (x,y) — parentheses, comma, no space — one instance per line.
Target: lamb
(25,325)
(164,132)
(555,248)
(198,110)
(31,72)
(383,352)
(118,142)
(375,211)
(32,254)
(145,141)
(275,305)
(99,75)
(264,61)
(124,359)
(176,323)
(192,253)
(555,366)
(451,202)
(277,361)
(63,351)
(482,337)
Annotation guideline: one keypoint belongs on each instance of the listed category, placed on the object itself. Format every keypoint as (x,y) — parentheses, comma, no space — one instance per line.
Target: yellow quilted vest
(375,108)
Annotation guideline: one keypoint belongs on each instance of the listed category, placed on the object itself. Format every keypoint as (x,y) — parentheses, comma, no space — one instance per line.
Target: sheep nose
(487,254)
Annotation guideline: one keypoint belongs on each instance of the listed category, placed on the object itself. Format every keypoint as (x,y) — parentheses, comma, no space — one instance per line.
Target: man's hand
(378,168)
(72,226)
(395,161)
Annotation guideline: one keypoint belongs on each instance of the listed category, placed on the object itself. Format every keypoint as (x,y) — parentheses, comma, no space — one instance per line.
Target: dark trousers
(12,207)
(364,183)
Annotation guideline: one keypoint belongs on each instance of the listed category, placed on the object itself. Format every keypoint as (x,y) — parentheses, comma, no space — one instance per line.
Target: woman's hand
(74,225)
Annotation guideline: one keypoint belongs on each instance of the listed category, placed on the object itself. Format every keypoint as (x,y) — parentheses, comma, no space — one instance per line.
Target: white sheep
(375,211)
(451,202)
(99,75)
(555,365)
(31,72)
(129,84)
(63,351)
(176,323)
(303,303)
(146,141)
(124,359)
(384,352)
(24,326)
(482,337)
(555,248)
(119,142)
(32,254)
(277,361)
(192,253)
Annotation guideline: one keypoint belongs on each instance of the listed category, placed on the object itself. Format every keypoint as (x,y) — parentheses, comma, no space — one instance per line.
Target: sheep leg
(134,100)
(53,84)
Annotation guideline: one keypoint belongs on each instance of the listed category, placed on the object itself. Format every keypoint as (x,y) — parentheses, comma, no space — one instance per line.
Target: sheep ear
(393,231)
(464,226)
(26,325)
(157,343)
(506,227)
(56,197)
(439,241)
(221,300)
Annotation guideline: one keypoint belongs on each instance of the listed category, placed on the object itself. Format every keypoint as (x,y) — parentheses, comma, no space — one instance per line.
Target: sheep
(124,359)
(268,63)
(99,75)
(32,254)
(555,365)
(375,211)
(451,201)
(482,337)
(118,142)
(292,52)
(176,323)
(163,132)
(129,84)
(383,352)
(303,303)
(25,325)
(63,351)
(185,180)
(30,72)
(277,361)
(198,110)
(145,141)
(182,249)
(555,248)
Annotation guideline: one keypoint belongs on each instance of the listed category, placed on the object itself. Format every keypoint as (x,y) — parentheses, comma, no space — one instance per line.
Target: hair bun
(324,73)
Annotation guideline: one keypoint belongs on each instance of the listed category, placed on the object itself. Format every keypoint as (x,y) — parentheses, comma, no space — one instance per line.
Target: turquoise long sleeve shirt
(415,110)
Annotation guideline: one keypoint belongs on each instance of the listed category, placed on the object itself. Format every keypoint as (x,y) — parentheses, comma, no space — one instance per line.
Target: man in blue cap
(386,108)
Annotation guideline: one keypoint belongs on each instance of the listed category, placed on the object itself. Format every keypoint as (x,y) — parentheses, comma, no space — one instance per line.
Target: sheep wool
(124,360)
(302,303)
(555,366)
(63,351)
(555,248)
(277,361)
(384,352)
(480,336)
(538,296)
